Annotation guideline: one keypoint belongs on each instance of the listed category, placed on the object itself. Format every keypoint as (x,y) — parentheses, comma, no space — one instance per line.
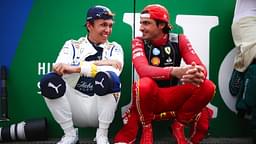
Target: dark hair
(91,22)
(145,11)
(166,28)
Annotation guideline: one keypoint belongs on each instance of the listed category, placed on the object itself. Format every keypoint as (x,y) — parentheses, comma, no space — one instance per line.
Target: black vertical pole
(133,35)
(3,96)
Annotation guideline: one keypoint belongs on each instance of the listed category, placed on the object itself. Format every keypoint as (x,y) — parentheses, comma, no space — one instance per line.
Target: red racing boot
(178,132)
(128,133)
(147,135)
(200,127)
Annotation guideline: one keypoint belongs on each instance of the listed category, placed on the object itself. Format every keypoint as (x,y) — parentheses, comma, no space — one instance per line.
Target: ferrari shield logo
(167,50)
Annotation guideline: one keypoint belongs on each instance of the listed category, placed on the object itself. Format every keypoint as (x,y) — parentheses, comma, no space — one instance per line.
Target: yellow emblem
(167,50)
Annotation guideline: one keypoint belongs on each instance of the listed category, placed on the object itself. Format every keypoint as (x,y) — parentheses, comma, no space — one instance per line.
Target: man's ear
(162,25)
(89,25)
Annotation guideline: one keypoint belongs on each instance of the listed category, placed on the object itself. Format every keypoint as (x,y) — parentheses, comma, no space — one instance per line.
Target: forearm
(158,73)
(114,63)
(62,68)
(90,69)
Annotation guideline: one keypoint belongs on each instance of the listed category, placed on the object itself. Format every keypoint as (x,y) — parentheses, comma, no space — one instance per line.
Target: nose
(108,29)
(141,28)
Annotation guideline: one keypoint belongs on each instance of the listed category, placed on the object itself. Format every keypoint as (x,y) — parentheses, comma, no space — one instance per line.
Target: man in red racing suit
(165,89)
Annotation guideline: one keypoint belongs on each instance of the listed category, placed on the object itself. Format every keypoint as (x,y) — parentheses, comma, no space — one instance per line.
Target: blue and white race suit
(79,105)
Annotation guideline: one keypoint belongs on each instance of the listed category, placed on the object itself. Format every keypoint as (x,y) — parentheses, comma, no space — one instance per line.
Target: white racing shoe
(101,137)
(70,139)
(102,140)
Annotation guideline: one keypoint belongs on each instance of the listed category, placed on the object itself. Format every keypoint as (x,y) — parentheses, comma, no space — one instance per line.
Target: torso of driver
(154,59)
(75,51)
(82,50)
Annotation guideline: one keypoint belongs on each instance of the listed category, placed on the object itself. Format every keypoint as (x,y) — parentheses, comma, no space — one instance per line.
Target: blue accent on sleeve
(74,52)
(112,50)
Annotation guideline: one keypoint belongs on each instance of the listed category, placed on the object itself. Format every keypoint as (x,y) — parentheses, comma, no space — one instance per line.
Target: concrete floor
(162,141)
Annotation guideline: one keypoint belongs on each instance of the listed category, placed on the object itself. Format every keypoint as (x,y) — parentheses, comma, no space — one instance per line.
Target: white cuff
(85,68)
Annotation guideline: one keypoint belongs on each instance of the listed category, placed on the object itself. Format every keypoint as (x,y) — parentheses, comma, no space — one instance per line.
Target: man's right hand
(62,69)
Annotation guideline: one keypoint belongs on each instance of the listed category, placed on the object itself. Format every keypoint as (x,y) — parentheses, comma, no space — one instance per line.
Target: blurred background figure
(243,80)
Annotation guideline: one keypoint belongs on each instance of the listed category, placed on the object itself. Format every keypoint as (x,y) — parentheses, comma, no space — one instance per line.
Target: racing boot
(178,132)
(147,135)
(101,136)
(70,138)
(128,133)
(200,126)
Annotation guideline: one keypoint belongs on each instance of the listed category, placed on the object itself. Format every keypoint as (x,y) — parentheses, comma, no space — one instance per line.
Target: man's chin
(144,36)
(103,40)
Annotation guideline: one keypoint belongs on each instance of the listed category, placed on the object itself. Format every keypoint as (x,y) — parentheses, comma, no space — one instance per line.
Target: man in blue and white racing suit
(84,88)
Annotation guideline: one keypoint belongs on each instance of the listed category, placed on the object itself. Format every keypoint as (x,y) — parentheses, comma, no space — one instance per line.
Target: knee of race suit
(107,82)
(208,89)
(147,87)
(52,86)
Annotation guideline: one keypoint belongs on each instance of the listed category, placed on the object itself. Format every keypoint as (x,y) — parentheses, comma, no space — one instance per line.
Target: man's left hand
(194,76)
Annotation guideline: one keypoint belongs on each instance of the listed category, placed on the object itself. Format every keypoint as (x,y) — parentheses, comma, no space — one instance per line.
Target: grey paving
(161,141)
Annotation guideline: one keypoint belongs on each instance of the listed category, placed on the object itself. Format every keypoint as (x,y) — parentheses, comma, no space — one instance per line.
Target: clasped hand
(192,74)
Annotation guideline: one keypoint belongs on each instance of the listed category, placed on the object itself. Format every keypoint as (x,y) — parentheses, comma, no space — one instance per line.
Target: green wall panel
(52,22)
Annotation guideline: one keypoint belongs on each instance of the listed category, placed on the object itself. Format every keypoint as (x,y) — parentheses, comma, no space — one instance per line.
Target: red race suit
(158,95)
